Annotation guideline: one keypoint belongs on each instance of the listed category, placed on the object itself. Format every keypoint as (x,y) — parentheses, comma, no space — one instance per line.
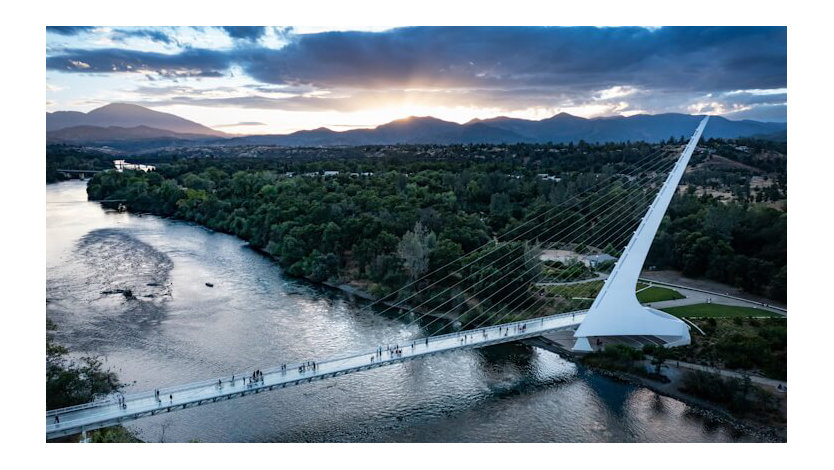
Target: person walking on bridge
(57,421)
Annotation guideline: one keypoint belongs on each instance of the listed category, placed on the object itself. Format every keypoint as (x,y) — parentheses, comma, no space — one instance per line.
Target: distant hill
(561,128)
(80,134)
(126,123)
(127,116)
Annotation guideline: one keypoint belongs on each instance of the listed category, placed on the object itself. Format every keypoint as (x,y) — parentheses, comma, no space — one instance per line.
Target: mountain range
(124,116)
(122,123)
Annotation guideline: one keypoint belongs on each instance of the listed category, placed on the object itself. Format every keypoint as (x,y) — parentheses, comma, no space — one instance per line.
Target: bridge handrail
(209,382)
(93,404)
(441,337)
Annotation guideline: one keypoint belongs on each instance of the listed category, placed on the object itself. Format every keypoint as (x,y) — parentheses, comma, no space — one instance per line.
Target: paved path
(697,296)
(107,412)
(723,372)
(675,278)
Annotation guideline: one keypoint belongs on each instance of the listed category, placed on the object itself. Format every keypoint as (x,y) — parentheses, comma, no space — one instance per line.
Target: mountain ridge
(127,116)
(106,124)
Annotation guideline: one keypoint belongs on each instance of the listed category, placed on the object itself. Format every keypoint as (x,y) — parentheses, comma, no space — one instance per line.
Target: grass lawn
(658,294)
(592,288)
(718,311)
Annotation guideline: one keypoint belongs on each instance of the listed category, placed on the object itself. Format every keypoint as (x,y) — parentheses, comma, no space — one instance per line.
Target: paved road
(108,412)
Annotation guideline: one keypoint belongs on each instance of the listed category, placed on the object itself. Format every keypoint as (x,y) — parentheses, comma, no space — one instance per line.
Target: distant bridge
(615,313)
(80,174)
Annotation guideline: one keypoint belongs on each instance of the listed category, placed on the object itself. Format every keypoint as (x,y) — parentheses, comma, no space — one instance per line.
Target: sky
(259,80)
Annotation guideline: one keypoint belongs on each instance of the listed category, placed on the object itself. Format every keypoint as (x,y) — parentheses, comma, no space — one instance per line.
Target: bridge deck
(107,412)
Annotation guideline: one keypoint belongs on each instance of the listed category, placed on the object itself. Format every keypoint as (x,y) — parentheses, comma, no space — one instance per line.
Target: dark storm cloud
(249,33)
(69,30)
(152,34)
(190,62)
(591,58)
(685,58)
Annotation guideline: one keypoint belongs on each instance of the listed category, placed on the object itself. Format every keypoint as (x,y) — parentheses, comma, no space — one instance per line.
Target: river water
(177,330)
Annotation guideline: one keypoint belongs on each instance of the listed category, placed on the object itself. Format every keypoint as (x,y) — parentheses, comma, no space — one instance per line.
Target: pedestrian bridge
(110,412)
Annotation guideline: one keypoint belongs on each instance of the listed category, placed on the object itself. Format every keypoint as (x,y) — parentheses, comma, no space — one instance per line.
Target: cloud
(190,62)
(588,58)
(618,70)
(769,112)
(69,30)
(247,33)
(151,34)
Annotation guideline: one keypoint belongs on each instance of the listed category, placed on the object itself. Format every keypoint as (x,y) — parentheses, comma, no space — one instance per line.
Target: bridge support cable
(539,303)
(493,247)
(624,210)
(614,229)
(616,310)
(614,210)
(623,203)
(591,286)
(648,160)
(576,224)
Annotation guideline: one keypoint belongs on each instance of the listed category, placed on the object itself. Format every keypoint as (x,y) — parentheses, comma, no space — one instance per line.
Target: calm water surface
(179,330)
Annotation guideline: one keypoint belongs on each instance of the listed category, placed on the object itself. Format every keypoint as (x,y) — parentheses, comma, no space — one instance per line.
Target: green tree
(414,249)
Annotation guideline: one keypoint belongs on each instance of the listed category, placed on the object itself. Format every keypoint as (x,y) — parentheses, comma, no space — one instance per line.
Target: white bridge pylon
(616,310)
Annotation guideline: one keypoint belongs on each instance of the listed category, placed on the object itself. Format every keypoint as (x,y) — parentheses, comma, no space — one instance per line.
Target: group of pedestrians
(257,376)
(393,351)
(307,365)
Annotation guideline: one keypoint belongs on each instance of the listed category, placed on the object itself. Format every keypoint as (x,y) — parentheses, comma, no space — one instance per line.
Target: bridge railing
(174,390)
(109,400)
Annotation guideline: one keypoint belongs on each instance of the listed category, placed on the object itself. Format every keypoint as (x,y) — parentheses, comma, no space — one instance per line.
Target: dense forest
(386,218)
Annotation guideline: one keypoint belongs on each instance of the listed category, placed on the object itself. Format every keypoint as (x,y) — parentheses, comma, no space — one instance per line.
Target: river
(177,329)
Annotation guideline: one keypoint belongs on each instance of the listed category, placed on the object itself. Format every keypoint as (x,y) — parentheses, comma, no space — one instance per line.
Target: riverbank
(353,291)
(113,434)
(672,375)
(709,410)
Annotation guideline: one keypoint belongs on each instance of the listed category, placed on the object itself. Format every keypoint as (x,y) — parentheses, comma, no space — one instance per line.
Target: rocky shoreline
(709,411)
